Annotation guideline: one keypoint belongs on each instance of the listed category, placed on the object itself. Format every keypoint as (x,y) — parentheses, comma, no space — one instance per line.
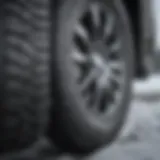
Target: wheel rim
(96,55)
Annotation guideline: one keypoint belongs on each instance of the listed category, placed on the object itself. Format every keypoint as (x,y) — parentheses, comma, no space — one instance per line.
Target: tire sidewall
(86,126)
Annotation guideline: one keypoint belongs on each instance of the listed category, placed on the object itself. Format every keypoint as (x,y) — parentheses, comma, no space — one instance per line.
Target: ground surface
(139,139)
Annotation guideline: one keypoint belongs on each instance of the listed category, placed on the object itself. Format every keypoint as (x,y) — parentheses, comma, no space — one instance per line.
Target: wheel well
(134,10)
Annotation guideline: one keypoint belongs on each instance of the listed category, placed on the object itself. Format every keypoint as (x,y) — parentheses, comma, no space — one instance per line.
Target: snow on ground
(140,137)
(149,88)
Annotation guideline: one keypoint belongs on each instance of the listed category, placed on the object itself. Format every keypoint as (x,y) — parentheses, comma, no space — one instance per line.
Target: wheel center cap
(98,61)
(102,68)
(100,48)
(99,54)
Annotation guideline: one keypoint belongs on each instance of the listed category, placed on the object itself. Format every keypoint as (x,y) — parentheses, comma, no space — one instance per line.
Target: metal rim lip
(101,69)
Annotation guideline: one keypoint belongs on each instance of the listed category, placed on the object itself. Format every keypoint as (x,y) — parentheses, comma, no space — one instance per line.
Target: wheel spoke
(89,78)
(102,23)
(87,23)
(101,87)
(115,84)
(103,80)
(116,65)
(78,56)
(116,81)
(115,47)
(109,99)
(95,13)
(104,98)
(98,95)
(82,45)
(119,95)
(109,26)
(82,33)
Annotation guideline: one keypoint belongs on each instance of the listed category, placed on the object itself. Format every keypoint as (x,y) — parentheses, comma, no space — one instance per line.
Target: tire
(24,61)
(74,127)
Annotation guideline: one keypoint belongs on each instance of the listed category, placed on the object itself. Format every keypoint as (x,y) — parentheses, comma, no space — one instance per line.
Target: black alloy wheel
(92,74)
(96,55)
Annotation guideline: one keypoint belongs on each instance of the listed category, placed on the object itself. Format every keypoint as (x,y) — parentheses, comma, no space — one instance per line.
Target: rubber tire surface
(24,72)
(72,128)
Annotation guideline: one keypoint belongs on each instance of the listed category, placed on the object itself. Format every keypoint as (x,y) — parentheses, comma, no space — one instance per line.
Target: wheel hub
(101,66)
(96,52)
(99,47)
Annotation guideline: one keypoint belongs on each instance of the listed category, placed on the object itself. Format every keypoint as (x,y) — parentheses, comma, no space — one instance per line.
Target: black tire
(24,72)
(72,127)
